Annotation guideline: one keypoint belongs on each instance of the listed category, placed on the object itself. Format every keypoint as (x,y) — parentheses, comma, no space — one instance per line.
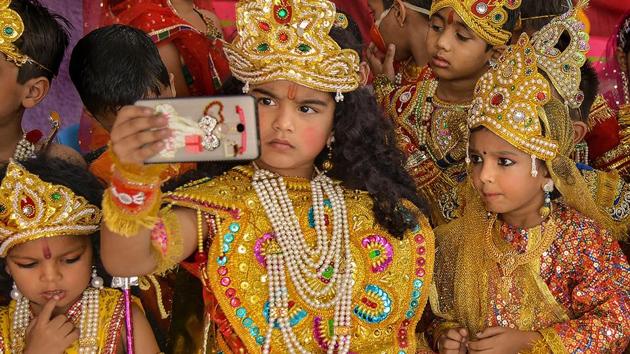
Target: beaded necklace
(330,255)
(88,327)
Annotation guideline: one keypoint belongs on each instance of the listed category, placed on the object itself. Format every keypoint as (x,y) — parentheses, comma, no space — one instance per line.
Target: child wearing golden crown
(32,44)
(464,38)
(292,258)
(530,265)
(47,221)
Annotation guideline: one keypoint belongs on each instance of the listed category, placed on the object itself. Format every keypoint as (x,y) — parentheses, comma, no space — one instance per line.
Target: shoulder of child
(65,153)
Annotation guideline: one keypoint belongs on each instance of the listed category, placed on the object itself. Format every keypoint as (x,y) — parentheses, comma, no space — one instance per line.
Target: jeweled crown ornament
(563,66)
(289,40)
(31,209)
(509,99)
(485,17)
(11,27)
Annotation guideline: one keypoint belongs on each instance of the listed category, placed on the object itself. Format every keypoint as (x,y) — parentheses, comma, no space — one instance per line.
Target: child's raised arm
(131,204)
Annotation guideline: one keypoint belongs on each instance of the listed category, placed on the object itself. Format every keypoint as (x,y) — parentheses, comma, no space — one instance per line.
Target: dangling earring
(534,171)
(246,87)
(15,292)
(492,64)
(97,282)
(580,155)
(328,165)
(467,159)
(545,210)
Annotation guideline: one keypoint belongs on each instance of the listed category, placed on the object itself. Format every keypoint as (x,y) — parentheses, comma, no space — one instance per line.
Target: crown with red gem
(563,67)
(509,101)
(11,29)
(485,17)
(289,40)
(31,209)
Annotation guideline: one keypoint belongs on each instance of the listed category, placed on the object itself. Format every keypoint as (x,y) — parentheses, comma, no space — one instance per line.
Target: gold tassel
(125,223)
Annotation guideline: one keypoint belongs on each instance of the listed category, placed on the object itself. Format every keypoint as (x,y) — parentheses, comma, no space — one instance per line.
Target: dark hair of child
(425,4)
(364,154)
(535,14)
(81,182)
(115,66)
(589,84)
(44,40)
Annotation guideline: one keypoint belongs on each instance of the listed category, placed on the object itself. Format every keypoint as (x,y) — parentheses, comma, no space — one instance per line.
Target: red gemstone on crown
(496,100)
(541,96)
(264,26)
(283,37)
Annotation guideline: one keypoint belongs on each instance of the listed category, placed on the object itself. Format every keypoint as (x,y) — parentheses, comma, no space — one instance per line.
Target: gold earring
(545,210)
(328,165)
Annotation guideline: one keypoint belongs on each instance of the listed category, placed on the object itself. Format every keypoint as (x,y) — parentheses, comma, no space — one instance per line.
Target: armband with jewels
(132,200)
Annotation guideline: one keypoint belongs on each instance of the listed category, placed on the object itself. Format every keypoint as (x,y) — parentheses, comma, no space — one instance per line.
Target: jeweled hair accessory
(485,17)
(31,209)
(289,40)
(563,66)
(12,28)
(509,99)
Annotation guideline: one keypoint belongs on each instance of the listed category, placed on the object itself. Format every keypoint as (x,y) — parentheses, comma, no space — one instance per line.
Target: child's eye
(72,260)
(462,37)
(476,159)
(307,109)
(266,101)
(505,162)
(436,28)
(26,265)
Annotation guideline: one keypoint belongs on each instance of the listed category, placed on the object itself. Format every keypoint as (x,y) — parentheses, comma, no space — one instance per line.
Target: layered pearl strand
(24,150)
(304,262)
(88,337)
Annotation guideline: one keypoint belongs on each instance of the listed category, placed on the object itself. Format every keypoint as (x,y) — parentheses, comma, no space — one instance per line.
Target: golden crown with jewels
(563,66)
(485,17)
(509,101)
(31,209)
(289,40)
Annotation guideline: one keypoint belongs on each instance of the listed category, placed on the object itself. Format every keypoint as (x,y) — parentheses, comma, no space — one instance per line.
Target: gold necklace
(510,260)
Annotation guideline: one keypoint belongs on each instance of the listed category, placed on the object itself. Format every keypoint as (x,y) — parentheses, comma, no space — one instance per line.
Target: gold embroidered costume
(391,276)
(566,278)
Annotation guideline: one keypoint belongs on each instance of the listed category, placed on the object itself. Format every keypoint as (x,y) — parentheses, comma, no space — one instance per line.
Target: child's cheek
(313,138)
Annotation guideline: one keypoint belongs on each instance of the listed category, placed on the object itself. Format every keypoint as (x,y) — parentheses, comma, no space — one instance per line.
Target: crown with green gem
(289,40)
(509,99)
(31,209)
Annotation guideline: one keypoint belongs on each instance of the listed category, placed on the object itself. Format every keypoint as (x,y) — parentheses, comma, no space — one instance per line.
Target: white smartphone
(217,128)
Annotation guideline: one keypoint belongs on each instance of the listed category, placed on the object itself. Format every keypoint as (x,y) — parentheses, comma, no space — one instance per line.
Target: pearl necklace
(88,337)
(24,150)
(304,262)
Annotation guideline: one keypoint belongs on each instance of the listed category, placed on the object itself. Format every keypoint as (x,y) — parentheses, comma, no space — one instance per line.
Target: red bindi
(450,17)
(292,91)
(46,250)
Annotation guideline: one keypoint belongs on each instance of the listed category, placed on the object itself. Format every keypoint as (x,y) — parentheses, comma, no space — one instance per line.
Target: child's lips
(440,62)
(50,294)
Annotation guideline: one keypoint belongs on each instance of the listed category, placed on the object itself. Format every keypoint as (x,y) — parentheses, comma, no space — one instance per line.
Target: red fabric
(360,13)
(603,138)
(195,48)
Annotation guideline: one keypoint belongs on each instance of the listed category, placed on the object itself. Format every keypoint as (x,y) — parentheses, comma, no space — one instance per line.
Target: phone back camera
(240,128)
